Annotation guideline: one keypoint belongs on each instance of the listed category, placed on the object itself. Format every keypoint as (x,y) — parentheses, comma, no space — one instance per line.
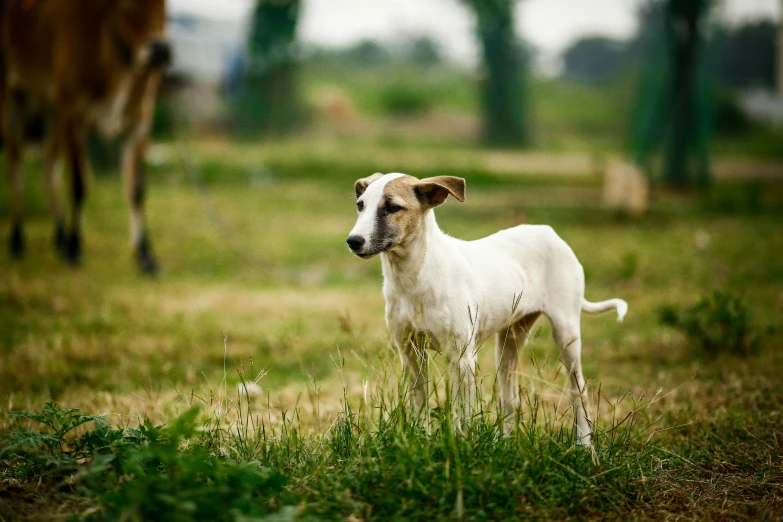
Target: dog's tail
(604,306)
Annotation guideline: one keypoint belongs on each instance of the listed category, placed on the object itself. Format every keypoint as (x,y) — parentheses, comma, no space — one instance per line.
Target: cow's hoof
(60,241)
(148,266)
(16,243)
(145,259)
(73,248)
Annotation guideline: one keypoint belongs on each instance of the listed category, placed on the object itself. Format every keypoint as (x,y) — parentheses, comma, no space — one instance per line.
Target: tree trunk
(673,114)
(685,38)
(270,100)
(503,82)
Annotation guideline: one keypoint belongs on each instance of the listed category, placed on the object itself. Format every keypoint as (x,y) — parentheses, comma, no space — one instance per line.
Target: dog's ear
(361,184)
(434,191)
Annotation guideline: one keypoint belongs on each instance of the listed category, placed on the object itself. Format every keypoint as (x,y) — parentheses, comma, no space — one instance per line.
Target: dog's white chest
(420,313)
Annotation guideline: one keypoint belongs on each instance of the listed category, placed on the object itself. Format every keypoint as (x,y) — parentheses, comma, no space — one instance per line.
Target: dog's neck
(404,265)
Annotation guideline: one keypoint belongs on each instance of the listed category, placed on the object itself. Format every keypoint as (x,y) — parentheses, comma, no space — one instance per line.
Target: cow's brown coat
(86,63)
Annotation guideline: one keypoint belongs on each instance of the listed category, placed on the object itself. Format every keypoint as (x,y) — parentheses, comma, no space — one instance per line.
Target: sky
(550,25)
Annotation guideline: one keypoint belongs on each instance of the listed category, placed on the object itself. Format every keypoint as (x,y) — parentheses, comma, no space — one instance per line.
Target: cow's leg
(508,347)
(13,127)
(80,181)
(52,178)
(133,177)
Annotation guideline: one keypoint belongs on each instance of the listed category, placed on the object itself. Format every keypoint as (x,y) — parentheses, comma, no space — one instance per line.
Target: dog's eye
(391,208)
(360,205)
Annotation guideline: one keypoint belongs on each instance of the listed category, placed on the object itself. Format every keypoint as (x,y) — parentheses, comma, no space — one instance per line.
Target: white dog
(456,294)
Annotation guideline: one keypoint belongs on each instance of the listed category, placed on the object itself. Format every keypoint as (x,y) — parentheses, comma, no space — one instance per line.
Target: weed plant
(719,322)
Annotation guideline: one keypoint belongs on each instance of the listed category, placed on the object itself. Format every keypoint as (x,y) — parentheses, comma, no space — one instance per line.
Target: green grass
(378,463)
(258,285)
(760,142)
(443,88)
(564,115)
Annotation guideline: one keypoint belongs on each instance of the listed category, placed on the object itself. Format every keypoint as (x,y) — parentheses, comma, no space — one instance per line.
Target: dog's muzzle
(355,243)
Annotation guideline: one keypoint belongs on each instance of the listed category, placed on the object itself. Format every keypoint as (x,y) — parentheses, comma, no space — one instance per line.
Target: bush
(171,477)
(719,323)
(744,198)
(405,99)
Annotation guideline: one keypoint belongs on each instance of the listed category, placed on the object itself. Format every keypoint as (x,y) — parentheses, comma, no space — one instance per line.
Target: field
(263,322)
(564,116)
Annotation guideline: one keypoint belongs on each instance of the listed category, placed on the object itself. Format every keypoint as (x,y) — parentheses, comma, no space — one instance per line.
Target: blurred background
(648,133)
(551,76)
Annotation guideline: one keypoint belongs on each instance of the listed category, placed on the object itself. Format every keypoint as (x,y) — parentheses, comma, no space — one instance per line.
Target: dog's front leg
(413,354)
(463,374)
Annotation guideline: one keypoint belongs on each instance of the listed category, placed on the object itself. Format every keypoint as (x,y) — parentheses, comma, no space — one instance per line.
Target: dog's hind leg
(508,346)
(566,331)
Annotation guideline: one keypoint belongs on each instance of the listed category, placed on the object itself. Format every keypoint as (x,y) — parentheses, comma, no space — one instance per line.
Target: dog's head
(392,208)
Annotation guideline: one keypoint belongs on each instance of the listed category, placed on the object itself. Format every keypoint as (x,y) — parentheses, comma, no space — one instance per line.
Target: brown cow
(86,63)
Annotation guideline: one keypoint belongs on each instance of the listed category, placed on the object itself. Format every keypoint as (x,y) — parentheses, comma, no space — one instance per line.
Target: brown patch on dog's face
(397,210)
(400,213)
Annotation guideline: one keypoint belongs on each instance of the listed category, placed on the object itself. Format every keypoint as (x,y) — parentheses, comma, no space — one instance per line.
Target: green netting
(672,126)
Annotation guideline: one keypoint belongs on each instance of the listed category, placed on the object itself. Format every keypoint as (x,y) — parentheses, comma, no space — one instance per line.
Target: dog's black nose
(160,53)
(355,242)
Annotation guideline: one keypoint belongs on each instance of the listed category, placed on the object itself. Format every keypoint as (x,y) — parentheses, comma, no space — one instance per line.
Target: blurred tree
(594,59)
(270,99)
(686,154)
(675,105)
(748,55)
(651,18)
(423,51)
(367,53)
(503,86)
